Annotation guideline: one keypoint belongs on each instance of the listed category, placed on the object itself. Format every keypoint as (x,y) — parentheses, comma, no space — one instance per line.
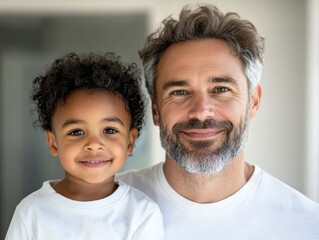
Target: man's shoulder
(145,179)
(274,188)
(139,174)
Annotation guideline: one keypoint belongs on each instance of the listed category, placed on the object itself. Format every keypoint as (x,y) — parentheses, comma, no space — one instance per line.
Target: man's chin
(201,147)
(202,165)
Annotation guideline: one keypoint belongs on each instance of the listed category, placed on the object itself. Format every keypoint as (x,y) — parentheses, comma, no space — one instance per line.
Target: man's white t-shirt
(126,214)
(264,208)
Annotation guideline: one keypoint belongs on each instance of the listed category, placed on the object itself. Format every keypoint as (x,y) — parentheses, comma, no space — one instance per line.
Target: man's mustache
(197,124)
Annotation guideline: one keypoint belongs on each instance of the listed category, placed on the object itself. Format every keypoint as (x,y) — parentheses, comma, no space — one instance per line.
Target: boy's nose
(94,143)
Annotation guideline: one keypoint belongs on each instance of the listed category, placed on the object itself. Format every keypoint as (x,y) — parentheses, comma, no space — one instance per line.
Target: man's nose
(202,107)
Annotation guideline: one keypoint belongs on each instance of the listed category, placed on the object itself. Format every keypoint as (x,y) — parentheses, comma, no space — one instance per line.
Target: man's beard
(203,158)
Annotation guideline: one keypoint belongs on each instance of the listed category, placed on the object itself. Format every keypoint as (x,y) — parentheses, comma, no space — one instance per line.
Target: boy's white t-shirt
(264,208)
(126,214)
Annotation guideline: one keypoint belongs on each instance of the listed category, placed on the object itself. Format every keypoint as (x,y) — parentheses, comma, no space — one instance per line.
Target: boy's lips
(95,161)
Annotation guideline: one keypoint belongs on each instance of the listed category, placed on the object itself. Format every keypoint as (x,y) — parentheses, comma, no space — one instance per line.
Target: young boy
(91,108)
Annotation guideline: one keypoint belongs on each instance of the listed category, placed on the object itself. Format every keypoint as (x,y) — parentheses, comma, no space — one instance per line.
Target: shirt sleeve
(151,227)
(17,229)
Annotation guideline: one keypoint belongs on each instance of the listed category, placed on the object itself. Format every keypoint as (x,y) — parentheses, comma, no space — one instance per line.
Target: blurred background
(284,138)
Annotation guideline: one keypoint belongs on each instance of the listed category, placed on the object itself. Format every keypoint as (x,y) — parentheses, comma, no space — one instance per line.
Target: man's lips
(202,134)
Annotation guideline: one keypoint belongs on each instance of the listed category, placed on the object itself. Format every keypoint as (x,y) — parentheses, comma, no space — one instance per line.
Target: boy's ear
(51,141)
(155,113)
(132,139)
(255,101)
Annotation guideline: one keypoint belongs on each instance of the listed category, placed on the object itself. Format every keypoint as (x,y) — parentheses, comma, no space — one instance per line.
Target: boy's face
(91,136)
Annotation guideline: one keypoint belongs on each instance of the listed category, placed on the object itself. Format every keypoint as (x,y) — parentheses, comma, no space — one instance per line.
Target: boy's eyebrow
(77,121)
(71,121)
(114,119)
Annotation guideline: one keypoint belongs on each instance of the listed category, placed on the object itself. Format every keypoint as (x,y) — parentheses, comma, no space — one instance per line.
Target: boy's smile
(91,136)
(96,161)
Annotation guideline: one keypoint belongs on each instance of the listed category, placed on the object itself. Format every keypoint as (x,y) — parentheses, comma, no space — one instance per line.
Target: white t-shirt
(264,208)
(126,214)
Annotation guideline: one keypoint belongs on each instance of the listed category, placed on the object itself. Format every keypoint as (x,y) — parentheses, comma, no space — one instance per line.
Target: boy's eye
(76,132)
(110,131)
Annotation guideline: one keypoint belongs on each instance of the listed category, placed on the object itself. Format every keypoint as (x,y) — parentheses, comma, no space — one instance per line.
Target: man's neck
(208,188)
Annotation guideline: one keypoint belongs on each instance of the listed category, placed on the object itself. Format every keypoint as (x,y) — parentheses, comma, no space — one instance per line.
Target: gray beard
(204,159)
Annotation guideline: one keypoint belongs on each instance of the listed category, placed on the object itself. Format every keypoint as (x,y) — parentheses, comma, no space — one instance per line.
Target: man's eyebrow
(78,121)
(174,83)
(181,83)
(223,80)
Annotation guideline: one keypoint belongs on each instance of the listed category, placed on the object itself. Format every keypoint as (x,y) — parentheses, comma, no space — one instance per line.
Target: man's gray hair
(205,22)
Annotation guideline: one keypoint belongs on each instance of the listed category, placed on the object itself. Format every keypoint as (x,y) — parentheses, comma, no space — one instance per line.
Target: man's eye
(179,92)
(110,131)
(77,132)
(221,90)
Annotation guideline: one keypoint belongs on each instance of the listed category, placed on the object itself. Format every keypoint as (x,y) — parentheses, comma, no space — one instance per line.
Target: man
(203,73)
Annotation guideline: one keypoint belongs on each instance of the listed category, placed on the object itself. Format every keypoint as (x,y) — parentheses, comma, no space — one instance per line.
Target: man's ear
(155,113)
(52,143)
(255,101)
(132,139)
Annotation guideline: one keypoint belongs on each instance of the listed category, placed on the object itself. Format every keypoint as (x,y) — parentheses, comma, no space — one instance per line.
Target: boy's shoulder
(136,196)
(34,199)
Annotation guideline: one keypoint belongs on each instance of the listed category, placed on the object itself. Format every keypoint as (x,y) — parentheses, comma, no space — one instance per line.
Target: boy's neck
(84,191)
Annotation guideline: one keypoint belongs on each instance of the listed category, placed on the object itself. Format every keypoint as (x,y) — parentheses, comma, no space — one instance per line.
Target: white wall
(312,101)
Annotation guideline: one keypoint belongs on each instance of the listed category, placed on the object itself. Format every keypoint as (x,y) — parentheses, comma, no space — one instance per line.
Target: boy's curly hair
(91,71)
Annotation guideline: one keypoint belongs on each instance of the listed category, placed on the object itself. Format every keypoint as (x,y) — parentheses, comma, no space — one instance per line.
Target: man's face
(202,106)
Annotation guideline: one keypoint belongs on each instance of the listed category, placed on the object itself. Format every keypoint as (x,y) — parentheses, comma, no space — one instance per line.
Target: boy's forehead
(84,95)
(83,103)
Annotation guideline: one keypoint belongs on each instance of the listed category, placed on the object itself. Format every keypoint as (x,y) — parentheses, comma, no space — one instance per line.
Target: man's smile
(201,134)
